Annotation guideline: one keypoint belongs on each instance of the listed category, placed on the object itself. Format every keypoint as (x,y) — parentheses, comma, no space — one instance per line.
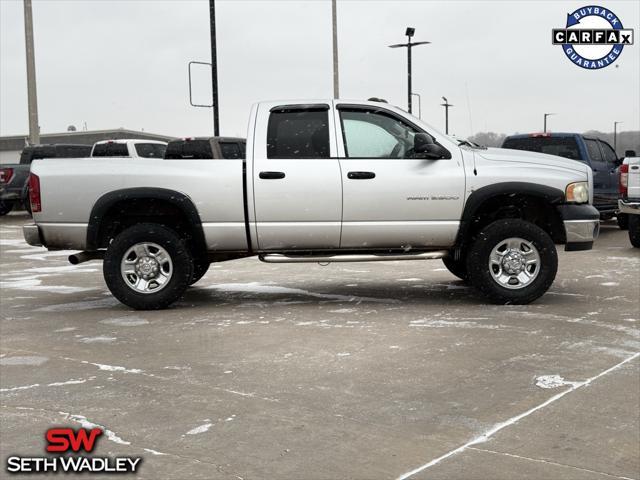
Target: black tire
(457,267)
(175,247)
(200,268)
(623,221)
(5,207)
(490,237)
(634,230)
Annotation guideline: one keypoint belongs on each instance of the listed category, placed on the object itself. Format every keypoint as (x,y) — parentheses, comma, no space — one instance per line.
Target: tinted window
(298,134)
(111,150)
(566,147)
(188,150)
(375,134)
(72,151)
(609,154)
(150,150)
(47,151)
(231,150)
(594,150)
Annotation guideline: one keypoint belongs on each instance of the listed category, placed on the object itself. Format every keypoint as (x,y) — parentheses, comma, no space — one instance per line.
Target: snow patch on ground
(255,287)
(450,323)
(82,420)
(610,284)
(553,381)
(84,305)
(126,321)
(98,339)
(26,360)
(201,429)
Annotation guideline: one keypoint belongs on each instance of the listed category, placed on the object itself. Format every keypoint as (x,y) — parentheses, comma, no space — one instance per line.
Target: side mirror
(421,142)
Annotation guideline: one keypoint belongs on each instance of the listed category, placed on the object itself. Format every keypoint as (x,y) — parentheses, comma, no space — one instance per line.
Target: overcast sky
(123,63)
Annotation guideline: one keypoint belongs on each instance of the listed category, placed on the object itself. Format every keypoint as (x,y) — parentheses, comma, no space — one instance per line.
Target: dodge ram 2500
(323,181)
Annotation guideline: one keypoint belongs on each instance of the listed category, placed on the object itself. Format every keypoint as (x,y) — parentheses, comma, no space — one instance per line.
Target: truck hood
(522,156)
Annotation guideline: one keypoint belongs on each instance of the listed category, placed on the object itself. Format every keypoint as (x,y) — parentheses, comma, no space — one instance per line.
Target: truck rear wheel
(5,207)
(457,267)
(634,230)
(147,267)
(512,262)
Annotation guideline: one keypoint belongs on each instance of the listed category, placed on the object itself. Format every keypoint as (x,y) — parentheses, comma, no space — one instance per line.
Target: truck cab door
(601,174)
(296,178)
(392,198)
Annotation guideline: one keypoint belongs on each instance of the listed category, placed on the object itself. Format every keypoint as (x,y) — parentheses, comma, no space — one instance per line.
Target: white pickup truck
(323,181)
(629,202)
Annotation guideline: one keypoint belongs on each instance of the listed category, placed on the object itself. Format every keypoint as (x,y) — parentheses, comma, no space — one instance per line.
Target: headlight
(577,192)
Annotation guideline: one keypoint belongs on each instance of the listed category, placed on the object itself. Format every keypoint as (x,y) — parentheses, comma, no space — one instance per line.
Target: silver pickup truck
(323,181)
(629,201)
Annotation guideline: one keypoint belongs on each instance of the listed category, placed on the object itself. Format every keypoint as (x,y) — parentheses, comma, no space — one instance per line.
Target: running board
(351,257)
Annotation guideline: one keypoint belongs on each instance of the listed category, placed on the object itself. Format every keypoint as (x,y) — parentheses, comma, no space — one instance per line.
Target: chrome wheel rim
(514,263)
(146,268)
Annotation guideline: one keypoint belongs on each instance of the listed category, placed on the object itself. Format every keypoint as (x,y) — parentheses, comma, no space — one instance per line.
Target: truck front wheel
(512,262)
(634,230)
(147,267)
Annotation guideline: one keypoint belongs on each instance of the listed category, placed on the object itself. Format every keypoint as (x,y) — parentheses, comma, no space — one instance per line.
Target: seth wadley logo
(593,37)
(66,442)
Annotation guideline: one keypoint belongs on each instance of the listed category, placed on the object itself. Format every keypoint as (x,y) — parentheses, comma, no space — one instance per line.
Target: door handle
(271,175)
(361,175)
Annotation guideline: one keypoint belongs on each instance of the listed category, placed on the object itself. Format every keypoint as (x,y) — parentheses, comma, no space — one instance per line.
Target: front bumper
(581,226)
(629,206)
(32,235)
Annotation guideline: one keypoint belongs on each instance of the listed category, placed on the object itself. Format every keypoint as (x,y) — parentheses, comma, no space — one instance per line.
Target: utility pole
(446,106)
(409,33)
(545,120)
(34,129)
(214,68)
(334,24)
(615,137)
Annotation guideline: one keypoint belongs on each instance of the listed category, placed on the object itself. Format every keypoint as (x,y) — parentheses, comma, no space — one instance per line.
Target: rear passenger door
(601,176)
(296,178)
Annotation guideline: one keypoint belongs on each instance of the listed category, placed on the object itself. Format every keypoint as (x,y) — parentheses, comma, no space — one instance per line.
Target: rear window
(231,150)
(298,134)
(566,147)
(150,150)
(72,151)
(110,150)
(188,150)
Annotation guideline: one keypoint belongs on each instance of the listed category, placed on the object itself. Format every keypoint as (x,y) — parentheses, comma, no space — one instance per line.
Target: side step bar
(351,257)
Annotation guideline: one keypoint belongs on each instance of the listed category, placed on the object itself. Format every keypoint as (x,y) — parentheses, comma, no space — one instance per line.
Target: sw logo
(64,440)
(593,37)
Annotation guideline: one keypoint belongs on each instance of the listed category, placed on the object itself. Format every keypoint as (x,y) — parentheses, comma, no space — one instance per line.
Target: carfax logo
(593,37)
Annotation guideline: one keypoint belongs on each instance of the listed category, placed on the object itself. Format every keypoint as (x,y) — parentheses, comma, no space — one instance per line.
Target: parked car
(14,177)
(129,148)
(599,155)
(201,148)
(629,201)
(323,181)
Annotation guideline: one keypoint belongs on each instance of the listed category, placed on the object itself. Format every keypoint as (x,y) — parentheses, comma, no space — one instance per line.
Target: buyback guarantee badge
(593,37)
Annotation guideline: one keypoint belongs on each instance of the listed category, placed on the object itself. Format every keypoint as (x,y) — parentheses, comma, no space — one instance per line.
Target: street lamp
(545,120)
(419,104)
(446,106)
(615,137)
(409,33)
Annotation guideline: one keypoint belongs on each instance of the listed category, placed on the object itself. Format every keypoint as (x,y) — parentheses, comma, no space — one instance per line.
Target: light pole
(214,68)
(545,120)
(409,33)
(334,24)
(419,104)
(615,137)
(32,96)
(446,106)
